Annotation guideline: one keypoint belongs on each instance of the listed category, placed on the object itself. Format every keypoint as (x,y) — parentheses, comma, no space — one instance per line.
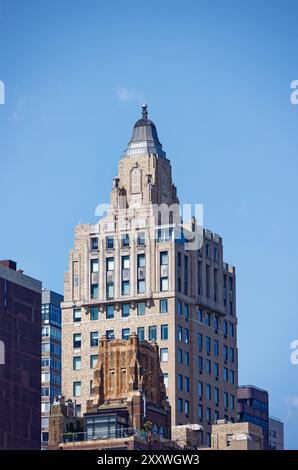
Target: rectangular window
(94,291)
(125,239)
(164,284)
(207,319)
(94,313)
(215,347)
(180,405)
(208,366)
(164,333)
(141,260)
(200,412)
(110,264)
(166,380)
(179,307)
(231,330)
(232,354)
(125,333)
(125,310)
(164,355)
(110,312)
(141,286)
(226,400)
(110,242)
(216,369)
(180,334)
(163,258)
(208,392)
(215,323)
(186,384)
(94,243)
(141,308)
(186,408)
(208,344)
(152,333)
(216,395)
(225,350)
(77,340)
(141,333)
(186,311)
(94,266)
(93,361)
(163,306)
(186,335)
(186,358)
(77,316)
(225,327)
(200,390)
(141,238)
(110,290)
(225,374)
(232,377)
(200,363)
(76,363)
(180,382)
(110,335)
(125,287)
(94,338)
(125,262)
(76,389)
(208,414)
(232,402)
(200,341)
(179,355)
(200,315)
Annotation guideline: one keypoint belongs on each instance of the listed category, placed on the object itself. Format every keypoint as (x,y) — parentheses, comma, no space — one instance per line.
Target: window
(226,400)
(44,436)
(45,331)
(180,382)
(125,310)
(125,287)
(225,327)
(225,374)
(186,358)
(179,355)
(200,390)
(225,350)
(77,340)
(94,291)
(216,369)
(94,265)
(232,402)
(94,313)
(78,410)
(186,335)
(93,361)
(45,391)
(200,412)
(164,354)
(208,344)
(186,407)
(141,333)
(180,405)
(231,330)
(141,238)
(45,407)
(110,290)
(44,422)
(215,323)
(110,335)
(152,333)
(110,312)
(45,377)
(232,354)
(125,262)
(94,338)
(141,308)
(200,315)
(208,392)
(186,384)
(216,395)
(186,311)
(207,319)
(208,366)
(141,260)
(76,363)
(163,306)
(216,416)
(232,377)
(166,380)
(200,363)
(164,335)
(215,253)
(141,286)
(77,315)
(125,239)
(125,333)
(76,389)
(180,334)
(200,341)
(215,347)
(110,264)
(94,243)
(110,242)
(179,307)
(207,249)
(163,258)
(164,284)
(208,414)
(209,437)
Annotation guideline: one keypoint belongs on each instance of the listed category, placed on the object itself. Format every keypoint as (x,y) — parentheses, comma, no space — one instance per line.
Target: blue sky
(216,76)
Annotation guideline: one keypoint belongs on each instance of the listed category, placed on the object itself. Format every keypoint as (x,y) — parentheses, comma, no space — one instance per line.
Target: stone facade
(236,436)
(136,268)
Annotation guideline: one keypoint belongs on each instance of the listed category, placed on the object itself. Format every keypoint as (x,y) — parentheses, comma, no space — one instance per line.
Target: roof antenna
(145,111)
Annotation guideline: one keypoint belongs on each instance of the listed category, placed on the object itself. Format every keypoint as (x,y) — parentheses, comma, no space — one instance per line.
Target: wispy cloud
(124,95)
(22,107)
(292,401)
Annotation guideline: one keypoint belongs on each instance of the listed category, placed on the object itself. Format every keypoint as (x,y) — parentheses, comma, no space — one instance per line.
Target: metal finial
(145,111)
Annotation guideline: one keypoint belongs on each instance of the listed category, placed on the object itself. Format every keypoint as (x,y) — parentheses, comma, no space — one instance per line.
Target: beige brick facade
(187,280)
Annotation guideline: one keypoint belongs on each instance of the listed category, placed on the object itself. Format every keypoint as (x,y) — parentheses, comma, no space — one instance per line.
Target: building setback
(51,357)
(20,305)
(134,271)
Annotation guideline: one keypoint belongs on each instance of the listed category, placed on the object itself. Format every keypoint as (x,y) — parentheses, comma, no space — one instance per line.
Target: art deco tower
(134,271)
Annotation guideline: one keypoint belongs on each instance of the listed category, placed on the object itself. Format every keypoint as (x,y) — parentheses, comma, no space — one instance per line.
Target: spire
(144,139)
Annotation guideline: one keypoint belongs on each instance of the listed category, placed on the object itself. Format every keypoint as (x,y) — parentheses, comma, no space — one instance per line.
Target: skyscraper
(137,270)
(51,357)
(20,303)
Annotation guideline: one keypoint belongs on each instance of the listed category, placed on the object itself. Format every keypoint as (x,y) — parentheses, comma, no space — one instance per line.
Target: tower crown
(144,139)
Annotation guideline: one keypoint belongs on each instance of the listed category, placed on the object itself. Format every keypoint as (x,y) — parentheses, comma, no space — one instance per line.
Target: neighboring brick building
(20,312)
(128,401)
(253,407)
(236,436)
(276,434)
(135,271)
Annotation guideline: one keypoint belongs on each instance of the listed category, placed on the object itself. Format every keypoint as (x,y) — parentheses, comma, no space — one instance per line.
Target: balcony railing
(102,434)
